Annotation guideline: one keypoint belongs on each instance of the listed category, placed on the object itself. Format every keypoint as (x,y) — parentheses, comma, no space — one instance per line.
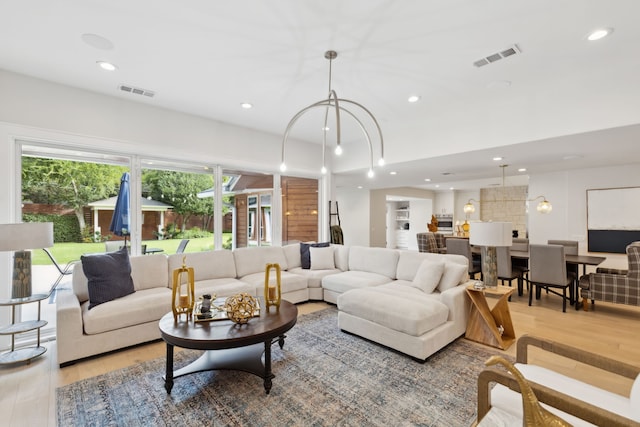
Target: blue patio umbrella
(121,217)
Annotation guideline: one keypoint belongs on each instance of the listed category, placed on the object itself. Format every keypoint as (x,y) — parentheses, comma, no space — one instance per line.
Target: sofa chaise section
(404,317)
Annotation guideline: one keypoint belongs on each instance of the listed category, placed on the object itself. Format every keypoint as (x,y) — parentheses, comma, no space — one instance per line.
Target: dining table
(573,261)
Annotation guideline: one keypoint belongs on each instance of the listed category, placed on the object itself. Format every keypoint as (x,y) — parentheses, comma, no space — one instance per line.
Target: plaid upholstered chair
(612,285)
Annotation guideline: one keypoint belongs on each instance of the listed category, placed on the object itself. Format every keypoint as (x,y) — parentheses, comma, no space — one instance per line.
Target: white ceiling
(571,103)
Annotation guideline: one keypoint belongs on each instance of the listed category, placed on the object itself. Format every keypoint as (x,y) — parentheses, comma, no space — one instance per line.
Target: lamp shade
(26,235)
(490,234)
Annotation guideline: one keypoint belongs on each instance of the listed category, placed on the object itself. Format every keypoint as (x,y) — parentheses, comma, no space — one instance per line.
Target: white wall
(567,191)
(354,215)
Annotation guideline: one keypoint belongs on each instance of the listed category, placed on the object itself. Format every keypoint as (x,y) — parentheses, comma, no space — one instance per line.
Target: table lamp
(489,235)
(19,237)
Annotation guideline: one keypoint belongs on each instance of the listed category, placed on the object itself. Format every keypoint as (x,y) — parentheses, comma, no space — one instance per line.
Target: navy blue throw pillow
(305,257)
(108,275)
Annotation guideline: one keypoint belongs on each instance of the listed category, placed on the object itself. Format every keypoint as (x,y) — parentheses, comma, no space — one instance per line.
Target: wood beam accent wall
(299,209)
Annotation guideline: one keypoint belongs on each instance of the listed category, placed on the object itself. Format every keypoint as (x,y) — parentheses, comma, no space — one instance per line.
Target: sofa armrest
(563,402)
(607,270)
(69,324)
(458,302)
(602,362)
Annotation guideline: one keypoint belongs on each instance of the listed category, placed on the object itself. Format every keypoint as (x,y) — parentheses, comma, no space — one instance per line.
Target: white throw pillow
(452,276)
(428,275)
(321,258)
(634,399)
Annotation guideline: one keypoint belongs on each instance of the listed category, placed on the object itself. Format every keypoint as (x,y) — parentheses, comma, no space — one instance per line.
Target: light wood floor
(27,392)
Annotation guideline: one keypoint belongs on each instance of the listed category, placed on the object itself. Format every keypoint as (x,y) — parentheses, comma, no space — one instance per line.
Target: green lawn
(65,252)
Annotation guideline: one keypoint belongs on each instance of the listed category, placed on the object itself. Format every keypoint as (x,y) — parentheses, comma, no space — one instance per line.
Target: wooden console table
(490,326)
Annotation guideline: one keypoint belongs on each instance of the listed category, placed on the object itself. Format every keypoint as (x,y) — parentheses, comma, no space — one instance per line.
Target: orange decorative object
(433,225)
(272,294)
(183,302)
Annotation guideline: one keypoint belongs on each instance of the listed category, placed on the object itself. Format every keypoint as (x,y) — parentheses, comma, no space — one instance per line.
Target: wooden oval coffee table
(228,345)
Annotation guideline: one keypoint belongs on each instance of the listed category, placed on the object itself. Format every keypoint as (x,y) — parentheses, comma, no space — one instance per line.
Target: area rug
(324,377)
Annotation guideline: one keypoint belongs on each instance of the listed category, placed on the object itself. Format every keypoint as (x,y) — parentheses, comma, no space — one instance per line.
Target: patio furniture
(64,271)
(182,246)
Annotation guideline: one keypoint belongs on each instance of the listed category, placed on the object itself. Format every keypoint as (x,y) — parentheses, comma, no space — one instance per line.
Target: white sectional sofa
(373,288)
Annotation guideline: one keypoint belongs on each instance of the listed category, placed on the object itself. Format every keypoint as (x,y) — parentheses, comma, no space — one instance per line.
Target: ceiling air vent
(137,91)
(511,50)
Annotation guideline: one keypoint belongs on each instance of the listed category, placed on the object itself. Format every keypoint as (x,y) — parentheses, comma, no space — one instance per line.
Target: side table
(490,326)
(27,353)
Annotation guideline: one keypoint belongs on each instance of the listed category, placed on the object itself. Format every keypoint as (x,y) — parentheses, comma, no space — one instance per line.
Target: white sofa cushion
(428,275)
(206,265)
(223,287)
(289,282)
(147,305)
(374,260)
(314,277)
(321,258)
(255,259)
(149,271)
(453,275)
(341,256)
(409,261)
(409,313)
(348,280)
(292,254)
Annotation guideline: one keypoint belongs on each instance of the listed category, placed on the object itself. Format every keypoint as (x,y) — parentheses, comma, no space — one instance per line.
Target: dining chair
(64,271)
(507,271)
(182,246)
(570,248)
(548,270)
(462,247)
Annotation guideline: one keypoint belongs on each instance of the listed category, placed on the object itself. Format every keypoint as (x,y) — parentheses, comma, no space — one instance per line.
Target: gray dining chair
(507,271)
(548,270)
(462,247)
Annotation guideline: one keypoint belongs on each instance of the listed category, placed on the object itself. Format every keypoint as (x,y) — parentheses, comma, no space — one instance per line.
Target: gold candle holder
(182,303)
(272,294)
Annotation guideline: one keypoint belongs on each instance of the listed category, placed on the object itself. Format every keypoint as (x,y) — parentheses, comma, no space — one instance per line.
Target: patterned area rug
(324,377)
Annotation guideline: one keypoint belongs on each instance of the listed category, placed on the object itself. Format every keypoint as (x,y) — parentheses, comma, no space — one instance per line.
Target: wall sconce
(469,208)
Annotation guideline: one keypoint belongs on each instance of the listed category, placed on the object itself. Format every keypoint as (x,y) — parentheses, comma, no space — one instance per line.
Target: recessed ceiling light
(246,105)
(326,128)
(359,187)
(437,185)
(571,157)
(413,98)
(451,188)
(107,66)
(522,170)
(393,173)
(497,159)
(427,179)
(599,34)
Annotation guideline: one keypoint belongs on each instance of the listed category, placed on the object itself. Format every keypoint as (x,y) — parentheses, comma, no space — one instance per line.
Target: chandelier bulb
(381,162)
(370,173)
(283,167)
(338,150)
(323,170)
